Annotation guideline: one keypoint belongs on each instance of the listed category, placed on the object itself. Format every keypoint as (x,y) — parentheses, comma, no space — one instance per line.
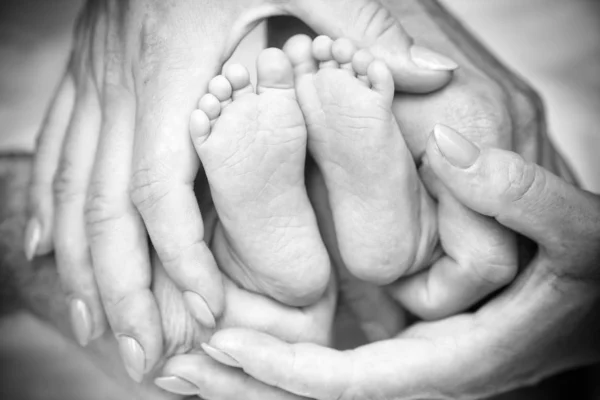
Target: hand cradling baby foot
(253,148)
(327,98)
(336,101)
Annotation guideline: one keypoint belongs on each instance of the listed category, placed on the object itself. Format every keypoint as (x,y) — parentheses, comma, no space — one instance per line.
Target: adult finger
(198,374)
(480,257)
(38,234)
(70,187)
(369,24)
(165,163)
(118,241)
(385,369)
(519,194)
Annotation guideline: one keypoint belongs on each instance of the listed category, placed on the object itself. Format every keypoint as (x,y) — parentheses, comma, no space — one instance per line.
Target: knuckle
(147,188)
(520,179)
(65,185)
(102,209)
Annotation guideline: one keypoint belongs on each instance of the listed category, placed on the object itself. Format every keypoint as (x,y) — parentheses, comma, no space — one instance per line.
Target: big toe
(274,71)
(298,49)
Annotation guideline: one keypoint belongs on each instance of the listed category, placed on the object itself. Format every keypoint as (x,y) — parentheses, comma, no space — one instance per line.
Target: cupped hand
(544,322)
(492,107)
(115,162)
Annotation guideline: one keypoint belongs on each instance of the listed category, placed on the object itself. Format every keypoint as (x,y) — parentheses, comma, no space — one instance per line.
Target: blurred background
(553,44)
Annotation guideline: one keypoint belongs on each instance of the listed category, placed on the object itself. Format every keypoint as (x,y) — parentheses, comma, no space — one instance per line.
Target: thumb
(521,195)
(405,367)
(369,24)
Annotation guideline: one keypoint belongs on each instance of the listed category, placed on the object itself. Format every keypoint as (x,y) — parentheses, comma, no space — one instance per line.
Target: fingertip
(136,322)
(453,147)
(418,80)
(134,357)
(200,278)
(220,356)
(419,70)
(430,60)
(33,232)
(199,309)
(37,240)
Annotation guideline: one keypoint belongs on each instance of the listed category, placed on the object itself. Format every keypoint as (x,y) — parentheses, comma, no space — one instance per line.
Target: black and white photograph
(300,199)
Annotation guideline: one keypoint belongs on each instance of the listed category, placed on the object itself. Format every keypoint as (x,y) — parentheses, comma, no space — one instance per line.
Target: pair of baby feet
(329,99)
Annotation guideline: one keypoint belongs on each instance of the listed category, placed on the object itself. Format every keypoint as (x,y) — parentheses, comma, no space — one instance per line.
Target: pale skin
(513,190)
(545,322)
(319,94)
(336,99)
(134,327)
(253,147)
(95,190)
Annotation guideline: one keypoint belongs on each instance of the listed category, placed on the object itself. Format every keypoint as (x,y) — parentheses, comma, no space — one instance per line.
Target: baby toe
(239,79)
(381,80)
(361,61)
(199,127)
(343,51)
(210,105)
(220,87)
(274,71)
(321,50)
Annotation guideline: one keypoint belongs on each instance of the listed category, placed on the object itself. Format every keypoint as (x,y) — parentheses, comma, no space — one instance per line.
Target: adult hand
(492,107)
(115,162)
(545,322)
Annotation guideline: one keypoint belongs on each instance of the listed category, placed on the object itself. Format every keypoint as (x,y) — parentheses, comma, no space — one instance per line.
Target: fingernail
(374,332)
(33,233)
(133,357)
(177,385)
(199,309)
(429,59)
(81,321)
(457,149)
(220,356)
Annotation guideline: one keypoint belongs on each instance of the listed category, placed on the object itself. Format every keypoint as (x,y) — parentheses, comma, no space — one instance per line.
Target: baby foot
(384,219)
(253,149)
